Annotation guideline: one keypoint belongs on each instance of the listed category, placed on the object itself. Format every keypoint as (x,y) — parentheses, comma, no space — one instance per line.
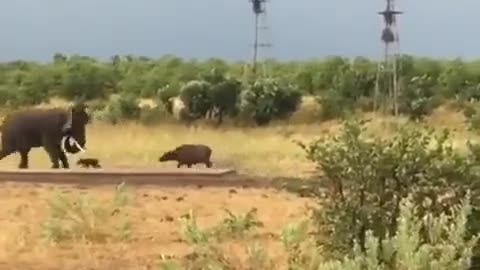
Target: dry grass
(24,208)
(265,151)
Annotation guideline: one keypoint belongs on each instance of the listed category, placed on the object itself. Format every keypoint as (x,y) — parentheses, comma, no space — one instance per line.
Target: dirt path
(158,177)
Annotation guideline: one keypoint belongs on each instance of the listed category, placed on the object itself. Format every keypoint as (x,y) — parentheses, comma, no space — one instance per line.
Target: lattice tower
(261,41)
(387,77)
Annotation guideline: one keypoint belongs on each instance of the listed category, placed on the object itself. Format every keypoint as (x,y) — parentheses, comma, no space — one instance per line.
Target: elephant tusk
(76,144)
(70,139)
(62,144)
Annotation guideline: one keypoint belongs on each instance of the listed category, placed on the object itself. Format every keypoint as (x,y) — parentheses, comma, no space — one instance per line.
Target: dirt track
(171,178)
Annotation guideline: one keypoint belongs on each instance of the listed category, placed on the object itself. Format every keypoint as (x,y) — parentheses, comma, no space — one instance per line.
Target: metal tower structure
(261,27)
(387,78)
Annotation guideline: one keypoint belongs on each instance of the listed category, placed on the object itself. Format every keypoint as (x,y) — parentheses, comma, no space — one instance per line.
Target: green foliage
(123,106)
(472,116)
(78,217)
(444,247)
(267,99)
(85,79)
(216,89)
(196,96)
(418,98)
(366,179)
(347,86)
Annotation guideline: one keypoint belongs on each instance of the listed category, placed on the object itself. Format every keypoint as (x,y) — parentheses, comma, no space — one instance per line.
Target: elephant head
(75,128)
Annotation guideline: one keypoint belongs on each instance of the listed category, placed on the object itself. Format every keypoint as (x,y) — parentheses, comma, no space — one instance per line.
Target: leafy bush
(196,95)
(225,97)
(350,84)
(472,116)
(444,246)
(266,100)
(122,107)
(366,179)
(86,79)
(418,98)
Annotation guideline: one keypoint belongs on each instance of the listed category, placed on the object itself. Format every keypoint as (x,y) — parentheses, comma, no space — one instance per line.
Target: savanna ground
(154,211)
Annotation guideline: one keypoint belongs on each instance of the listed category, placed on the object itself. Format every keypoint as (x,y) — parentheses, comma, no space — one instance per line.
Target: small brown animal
(189,154)
(88,162)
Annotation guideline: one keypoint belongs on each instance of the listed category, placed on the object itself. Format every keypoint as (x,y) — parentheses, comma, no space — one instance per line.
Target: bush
(366,179)
(122,107)
(418,98)
(444,246)
(266,100)
(196,95)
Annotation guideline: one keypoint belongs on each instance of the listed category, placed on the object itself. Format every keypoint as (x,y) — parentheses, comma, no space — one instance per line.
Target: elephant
(47,128)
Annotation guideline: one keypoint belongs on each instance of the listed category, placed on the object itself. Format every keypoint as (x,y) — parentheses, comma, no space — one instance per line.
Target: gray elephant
(47,128)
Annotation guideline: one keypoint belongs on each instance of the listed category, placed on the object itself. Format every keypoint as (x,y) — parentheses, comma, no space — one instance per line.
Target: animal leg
(23,159)
(189,165)
(54,153)
(179,165)
(208,164)
(64,160)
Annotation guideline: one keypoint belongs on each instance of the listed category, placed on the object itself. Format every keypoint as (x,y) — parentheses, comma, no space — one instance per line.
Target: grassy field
(268,151)
(265,151)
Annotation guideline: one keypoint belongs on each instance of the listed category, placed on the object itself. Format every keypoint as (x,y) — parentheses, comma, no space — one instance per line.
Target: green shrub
(266,100)
(418,98)
(122,107)
(366,178)
(444,246)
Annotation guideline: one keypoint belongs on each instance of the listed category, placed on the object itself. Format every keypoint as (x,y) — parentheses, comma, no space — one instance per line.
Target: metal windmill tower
(261,27)
(387,69)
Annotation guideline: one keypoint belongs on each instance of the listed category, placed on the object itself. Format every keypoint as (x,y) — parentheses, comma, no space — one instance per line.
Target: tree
(266,99)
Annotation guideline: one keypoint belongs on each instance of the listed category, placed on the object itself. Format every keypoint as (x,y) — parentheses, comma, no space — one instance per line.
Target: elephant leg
(64,160)
(23,159)
(54,152)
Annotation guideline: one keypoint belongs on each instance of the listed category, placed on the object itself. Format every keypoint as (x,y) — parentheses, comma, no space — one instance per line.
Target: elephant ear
(68,125)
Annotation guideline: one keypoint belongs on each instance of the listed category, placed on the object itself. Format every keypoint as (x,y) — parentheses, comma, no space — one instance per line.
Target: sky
(299,29)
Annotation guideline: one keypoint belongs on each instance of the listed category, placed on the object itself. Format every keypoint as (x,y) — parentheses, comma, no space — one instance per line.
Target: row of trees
(217,88)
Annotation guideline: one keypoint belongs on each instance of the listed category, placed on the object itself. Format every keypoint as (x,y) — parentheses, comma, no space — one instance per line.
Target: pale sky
(36,29)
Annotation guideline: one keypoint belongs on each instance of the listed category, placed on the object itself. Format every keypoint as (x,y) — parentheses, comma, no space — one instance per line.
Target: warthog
(89,162)
(189,154)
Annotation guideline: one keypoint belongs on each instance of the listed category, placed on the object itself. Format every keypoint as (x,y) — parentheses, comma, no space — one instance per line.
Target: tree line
(218,89)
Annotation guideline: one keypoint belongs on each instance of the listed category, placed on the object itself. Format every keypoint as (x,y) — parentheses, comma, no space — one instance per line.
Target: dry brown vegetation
(154,213)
